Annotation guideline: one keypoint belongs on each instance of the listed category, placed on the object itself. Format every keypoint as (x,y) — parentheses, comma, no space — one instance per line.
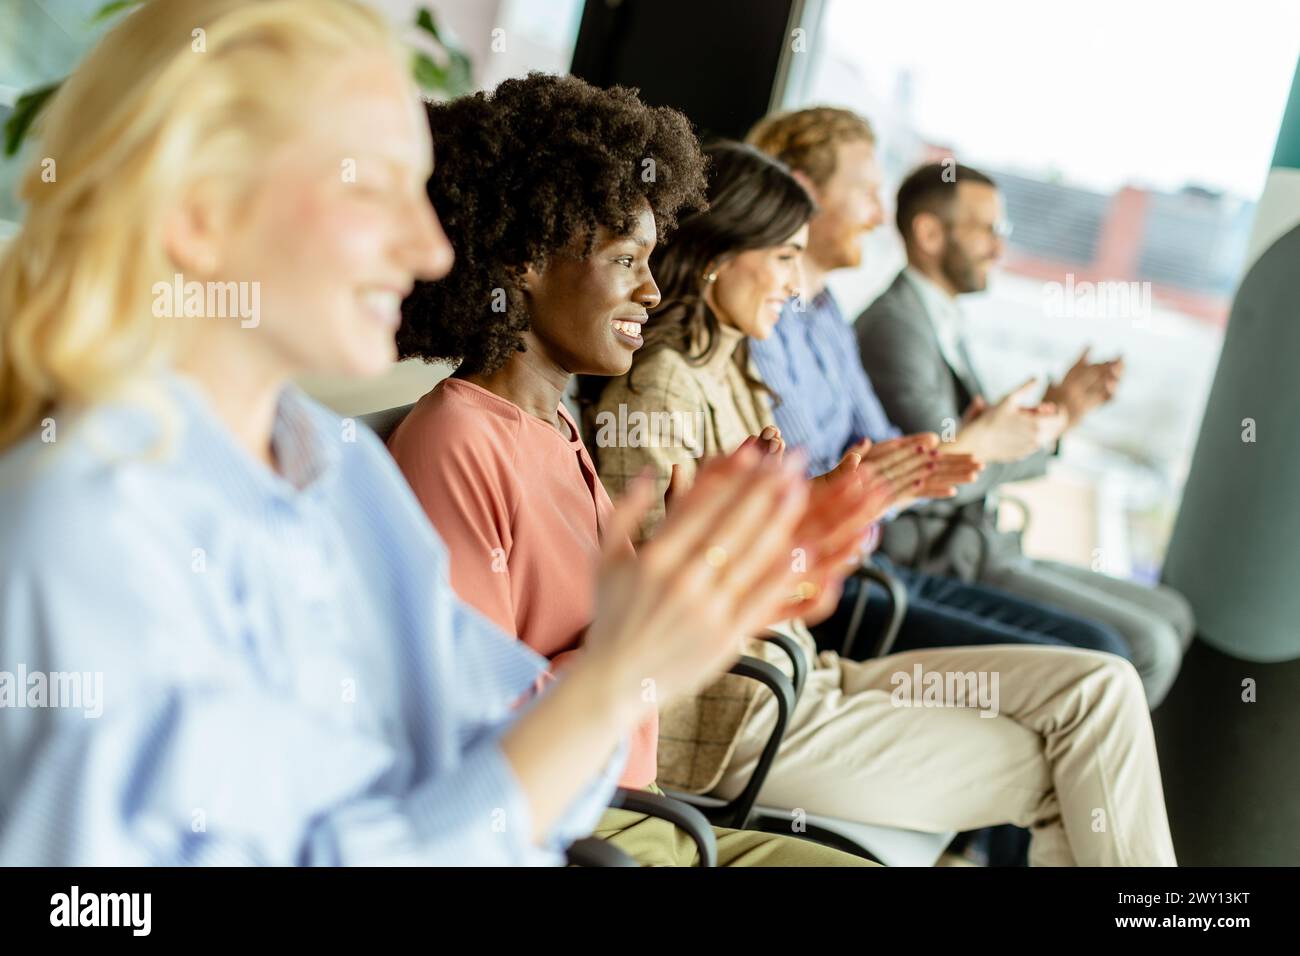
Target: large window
(1130,141)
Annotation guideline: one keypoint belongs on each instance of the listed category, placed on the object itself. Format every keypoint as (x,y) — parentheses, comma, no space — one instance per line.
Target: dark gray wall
(715,61)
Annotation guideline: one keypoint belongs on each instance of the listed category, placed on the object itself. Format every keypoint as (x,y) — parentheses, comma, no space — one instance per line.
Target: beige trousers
(1065,749)
(655,842)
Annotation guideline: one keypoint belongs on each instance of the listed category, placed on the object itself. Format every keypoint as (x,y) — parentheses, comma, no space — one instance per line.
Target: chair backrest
(385,421)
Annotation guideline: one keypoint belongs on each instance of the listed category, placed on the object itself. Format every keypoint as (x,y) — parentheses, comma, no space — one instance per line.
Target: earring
(711,277)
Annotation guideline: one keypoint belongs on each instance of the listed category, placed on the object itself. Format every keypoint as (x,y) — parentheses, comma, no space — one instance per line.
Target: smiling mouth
(384,306)
(627,330)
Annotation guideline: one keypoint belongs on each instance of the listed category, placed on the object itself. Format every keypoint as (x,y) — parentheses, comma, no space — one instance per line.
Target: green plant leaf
(26,108)
(424,20)
(455,78)
(430,76)
(109,10)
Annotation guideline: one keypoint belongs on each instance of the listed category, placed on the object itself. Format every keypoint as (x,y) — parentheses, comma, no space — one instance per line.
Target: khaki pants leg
(752,848)
(655,842)
(1070,753)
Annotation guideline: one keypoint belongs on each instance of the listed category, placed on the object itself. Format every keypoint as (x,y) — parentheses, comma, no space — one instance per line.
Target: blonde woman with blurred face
(269,664)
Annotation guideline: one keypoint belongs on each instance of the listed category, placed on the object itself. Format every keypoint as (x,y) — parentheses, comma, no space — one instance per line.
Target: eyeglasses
(998,230)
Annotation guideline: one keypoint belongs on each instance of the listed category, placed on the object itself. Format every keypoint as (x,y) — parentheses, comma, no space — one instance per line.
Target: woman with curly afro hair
(554,193)
(531,174)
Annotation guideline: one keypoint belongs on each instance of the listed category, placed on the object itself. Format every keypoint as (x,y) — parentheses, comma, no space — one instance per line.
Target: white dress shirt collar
(946,318)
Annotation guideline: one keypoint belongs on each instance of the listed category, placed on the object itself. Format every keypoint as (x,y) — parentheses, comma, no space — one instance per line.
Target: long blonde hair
(180,89)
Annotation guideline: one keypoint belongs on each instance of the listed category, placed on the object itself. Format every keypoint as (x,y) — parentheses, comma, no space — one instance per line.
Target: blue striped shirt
(285,676)
(826,402)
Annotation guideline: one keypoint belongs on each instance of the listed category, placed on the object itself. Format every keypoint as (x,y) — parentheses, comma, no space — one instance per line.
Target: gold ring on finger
(806,591)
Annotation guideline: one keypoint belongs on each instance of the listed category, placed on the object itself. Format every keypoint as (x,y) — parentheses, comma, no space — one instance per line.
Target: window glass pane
(1130,142)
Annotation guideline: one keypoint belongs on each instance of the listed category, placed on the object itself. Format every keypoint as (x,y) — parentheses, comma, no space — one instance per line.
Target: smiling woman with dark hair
(851,750)
(554,193)
(546,165)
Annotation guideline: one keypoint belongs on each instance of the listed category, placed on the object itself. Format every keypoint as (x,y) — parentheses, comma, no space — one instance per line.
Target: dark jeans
(945,612)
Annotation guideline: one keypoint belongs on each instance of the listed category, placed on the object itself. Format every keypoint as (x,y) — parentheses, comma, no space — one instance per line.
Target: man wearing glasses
(913,348)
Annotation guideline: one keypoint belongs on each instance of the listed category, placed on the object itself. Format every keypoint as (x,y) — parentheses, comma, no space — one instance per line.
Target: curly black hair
(526,173)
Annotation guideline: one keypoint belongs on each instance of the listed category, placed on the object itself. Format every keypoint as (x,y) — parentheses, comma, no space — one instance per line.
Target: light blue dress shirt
(286,675)
(825,399)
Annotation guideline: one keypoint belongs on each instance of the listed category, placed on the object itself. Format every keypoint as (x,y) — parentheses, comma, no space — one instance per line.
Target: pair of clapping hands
(751,542)
(893,474)
(1015,428)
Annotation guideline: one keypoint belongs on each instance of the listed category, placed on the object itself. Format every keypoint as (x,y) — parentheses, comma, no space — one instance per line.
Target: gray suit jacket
(921,392)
